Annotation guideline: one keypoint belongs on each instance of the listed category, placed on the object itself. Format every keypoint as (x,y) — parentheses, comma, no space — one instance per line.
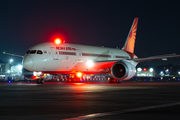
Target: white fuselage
(48,57)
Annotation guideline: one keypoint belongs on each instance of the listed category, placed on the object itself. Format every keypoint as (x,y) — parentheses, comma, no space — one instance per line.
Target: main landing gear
(114,80)
(40,81)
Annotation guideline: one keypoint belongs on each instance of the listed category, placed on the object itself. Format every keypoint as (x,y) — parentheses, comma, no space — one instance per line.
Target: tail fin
(130,41)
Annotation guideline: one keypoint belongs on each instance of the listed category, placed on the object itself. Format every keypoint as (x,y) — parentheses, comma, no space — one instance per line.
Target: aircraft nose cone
(28,62)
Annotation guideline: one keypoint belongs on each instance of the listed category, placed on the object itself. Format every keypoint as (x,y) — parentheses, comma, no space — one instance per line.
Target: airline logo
(131,38)
(66,48)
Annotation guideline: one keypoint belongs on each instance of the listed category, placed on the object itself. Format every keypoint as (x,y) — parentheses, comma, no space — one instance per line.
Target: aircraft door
(112,55)
(79,55)
(55,53)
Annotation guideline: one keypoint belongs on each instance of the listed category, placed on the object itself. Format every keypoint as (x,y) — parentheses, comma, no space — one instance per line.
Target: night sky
(90,22)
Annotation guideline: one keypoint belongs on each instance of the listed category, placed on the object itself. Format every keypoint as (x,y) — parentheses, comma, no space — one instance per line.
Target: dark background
(91,22)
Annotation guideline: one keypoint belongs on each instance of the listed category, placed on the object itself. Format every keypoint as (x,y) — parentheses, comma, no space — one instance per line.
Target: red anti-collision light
(145,69)
(57,41)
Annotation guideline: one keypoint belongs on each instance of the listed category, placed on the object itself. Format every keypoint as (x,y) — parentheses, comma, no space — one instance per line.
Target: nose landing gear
(40,81)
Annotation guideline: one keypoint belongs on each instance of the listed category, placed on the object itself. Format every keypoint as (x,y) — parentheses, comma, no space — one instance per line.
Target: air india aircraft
(64,58)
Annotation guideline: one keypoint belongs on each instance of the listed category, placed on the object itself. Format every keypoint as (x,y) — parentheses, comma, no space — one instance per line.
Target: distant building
(4,67)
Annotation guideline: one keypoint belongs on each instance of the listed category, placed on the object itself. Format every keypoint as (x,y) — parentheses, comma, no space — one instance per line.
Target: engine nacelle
(124,69)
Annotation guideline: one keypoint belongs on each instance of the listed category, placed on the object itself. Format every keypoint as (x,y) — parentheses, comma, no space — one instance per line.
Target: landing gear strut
(40,81)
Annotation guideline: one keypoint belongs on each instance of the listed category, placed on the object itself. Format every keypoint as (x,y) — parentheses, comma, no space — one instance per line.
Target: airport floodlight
(8,71)
(151,70)
(139,69)
(20,67)
(11,60)
(179,73)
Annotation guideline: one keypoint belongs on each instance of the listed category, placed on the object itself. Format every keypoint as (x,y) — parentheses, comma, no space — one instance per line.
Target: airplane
(65,58)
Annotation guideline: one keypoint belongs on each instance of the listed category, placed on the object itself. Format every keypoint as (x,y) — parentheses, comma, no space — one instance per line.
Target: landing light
(89,63)
(58,41)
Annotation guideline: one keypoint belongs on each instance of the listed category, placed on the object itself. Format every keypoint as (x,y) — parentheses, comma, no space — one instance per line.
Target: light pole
(11,60)
(151,71)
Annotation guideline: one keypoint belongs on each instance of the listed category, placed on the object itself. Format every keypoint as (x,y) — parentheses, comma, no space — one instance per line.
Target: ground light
(151,70)
(11,60)
(139,69)
(145,69)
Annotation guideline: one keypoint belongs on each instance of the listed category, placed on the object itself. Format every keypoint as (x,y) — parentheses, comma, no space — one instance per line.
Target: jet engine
(124,69)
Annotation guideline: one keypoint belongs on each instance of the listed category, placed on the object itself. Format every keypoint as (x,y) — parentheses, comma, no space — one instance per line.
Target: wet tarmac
(92,101)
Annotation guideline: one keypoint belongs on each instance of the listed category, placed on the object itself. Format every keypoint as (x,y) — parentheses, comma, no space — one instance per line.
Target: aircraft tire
(37,81)
(118,81)
(111,80)
(42,81)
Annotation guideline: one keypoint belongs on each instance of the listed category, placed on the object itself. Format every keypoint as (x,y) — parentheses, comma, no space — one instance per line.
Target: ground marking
(122,111)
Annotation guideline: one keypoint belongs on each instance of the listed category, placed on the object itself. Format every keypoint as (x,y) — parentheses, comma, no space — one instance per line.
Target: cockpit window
(28,52)
(32,51)
(39,52)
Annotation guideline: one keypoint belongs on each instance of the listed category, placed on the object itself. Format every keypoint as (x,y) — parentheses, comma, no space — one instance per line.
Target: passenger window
(39,52)
(28,52)
(32,51)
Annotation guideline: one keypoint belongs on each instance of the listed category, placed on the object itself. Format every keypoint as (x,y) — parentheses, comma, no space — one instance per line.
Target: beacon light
(57,41)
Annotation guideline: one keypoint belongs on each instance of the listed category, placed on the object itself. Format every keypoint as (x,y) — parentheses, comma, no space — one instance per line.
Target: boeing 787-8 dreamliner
(75,59)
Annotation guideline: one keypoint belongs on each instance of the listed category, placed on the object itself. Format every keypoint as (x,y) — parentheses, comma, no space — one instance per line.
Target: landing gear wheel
(40,81)
(37,81)
(111,80)
(118,81)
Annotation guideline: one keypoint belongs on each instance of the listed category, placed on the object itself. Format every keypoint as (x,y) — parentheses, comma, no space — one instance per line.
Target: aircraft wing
(13,54)
(104,66)
(154,58)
